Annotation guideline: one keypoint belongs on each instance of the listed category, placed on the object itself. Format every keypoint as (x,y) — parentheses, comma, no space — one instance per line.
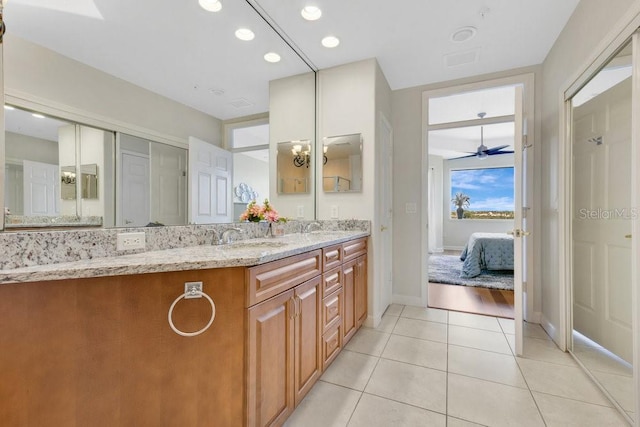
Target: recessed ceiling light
(211,5)
(9,107)
(330,41)
(271,57)
(245,34)
(311,13)
(463,34)
(38,116)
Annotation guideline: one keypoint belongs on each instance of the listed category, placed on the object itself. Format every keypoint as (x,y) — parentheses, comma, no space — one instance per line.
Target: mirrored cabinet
(342,163)
(293,167)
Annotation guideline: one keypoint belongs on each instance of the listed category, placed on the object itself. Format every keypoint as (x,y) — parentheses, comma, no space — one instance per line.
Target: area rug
(446,269)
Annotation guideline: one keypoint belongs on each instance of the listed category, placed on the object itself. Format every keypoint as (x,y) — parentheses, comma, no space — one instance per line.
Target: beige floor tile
(457,422)
(394,310)
(598,359)
(619,387)
(414,385)
(544,350)
(508,326)
(374,411)
(432,331)
(429,354)
(490,403)
(533,330)
(422,313)
(350,369)
(560,380)
(477,338)
(474,321)
(326,405)
(368,341)
(387,323)
(485,365)
(561,412)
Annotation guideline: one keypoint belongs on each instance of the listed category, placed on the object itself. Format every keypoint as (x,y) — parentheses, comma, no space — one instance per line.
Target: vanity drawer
(331,310)
(331,281)
(268,280)
(354,248)
(331,257)
(331,344)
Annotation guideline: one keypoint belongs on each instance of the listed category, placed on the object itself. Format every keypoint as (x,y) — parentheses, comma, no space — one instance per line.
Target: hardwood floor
(490,302)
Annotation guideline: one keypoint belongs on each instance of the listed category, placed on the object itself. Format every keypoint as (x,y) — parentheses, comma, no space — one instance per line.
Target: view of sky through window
(489,190)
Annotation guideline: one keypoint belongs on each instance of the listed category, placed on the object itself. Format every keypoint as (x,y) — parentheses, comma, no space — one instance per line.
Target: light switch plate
(300,211)
(335,212)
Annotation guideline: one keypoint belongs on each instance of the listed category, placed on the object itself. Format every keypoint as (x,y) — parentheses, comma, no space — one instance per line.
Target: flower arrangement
(257,213)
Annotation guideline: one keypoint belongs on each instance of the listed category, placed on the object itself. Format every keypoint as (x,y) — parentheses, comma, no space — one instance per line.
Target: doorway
(479,130)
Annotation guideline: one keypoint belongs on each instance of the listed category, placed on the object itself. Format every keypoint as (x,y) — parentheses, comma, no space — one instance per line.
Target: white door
(601,146)
(41,188)
(135,189)
(168,184)
(210,175)
(386,212)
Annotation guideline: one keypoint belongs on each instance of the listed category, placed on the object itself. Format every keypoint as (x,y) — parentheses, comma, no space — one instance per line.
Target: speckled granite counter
(242,253)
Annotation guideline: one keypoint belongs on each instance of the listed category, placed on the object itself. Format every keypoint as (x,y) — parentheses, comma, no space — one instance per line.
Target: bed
(487,251)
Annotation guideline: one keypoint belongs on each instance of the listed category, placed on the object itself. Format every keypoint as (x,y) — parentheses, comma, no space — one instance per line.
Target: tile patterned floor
(429,367)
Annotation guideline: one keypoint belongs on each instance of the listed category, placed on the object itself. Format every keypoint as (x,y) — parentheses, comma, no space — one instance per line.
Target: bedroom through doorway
(471,201)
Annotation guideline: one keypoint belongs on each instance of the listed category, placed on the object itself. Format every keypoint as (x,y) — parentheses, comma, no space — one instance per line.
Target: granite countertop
(238,254)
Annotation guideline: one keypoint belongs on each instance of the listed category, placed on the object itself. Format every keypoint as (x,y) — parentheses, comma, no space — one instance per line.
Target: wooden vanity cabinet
(284,337)
(354,274)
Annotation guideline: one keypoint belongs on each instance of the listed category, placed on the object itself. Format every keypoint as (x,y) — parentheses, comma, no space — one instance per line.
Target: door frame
(531,196)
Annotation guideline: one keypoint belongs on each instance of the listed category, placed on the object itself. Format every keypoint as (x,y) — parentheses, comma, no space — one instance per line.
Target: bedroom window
(489,191)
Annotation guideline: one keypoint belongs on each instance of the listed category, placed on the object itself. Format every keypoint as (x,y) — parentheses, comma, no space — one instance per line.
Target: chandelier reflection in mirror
(301,157)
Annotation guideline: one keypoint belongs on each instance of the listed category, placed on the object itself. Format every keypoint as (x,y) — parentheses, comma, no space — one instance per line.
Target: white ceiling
(187,54)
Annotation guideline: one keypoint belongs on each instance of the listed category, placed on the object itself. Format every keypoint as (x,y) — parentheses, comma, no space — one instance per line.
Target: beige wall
(291,118)
(37,73)
(577,44)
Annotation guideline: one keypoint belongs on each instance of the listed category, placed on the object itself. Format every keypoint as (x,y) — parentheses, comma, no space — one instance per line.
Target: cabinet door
(348,288)
(308,335)
(360,274)
(270,394)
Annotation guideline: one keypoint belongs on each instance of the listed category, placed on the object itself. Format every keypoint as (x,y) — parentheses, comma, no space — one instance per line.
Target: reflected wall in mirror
(342,163)
(45,69)
(293,167)
(41,162)
(601,239)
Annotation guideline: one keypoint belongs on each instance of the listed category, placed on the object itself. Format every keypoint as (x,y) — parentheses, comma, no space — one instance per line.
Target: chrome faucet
(227,235)
(307,228)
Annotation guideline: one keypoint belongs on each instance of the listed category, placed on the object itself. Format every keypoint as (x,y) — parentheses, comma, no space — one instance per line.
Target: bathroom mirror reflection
(294,167)
(342,163)
(602,338)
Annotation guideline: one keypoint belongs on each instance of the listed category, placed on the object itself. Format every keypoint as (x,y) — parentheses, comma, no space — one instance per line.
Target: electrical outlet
(335,212)
(129,241)
(191,289)
(300,211)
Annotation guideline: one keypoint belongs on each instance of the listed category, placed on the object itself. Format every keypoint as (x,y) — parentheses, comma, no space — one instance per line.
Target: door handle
(127,221)
(382,228)
(518,233)
(627,236)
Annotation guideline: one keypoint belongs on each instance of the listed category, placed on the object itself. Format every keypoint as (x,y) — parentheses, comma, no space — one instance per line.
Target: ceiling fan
(482,152)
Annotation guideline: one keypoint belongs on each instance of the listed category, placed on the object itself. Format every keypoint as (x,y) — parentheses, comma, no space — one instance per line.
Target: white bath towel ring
(192,334)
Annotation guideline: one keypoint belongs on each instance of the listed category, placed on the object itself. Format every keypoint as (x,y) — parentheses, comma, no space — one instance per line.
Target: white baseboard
(536,317)
(408,300)
(372,321)
(552,331)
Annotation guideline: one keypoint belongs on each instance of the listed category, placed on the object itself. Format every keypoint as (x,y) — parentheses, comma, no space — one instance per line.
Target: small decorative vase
(460,213)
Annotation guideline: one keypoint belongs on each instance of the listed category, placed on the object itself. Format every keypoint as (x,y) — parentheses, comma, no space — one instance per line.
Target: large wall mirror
(342,163)
(601,223)
(115,168)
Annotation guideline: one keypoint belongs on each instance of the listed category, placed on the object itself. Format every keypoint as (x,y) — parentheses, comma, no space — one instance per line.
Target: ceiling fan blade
(495,149)
(464,157)
(495,153)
